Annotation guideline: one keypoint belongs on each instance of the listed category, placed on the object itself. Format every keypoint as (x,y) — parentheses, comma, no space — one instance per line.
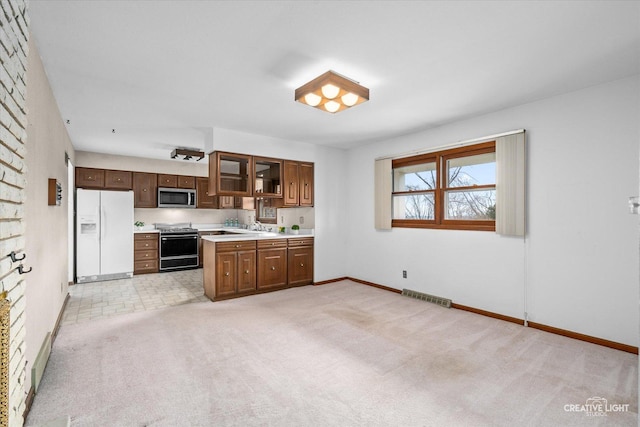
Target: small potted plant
(295,228)
(139,225)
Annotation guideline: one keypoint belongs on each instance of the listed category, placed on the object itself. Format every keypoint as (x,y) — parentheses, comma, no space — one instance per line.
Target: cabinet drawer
(302,241)
(186,181)
(145,236)
(272,243)
(141,245)
(147,255)
(240,245)
(150,266)
(169,181)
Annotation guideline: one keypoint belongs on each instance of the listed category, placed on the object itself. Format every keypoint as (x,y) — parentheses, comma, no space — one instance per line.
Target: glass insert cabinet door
(233,174)
(268,177)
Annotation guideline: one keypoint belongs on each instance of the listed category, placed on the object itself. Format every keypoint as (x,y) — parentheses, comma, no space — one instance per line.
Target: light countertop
(255,235)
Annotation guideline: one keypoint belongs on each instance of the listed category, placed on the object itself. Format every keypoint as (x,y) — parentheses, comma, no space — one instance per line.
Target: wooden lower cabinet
(245,267)
(300,262)
(145,253)
(229,268)
(272,264)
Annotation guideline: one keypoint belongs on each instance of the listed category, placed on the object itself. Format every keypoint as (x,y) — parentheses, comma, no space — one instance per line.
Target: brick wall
(13,58)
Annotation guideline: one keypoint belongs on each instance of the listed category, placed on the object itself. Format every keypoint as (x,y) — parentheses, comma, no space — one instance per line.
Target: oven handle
(180,237)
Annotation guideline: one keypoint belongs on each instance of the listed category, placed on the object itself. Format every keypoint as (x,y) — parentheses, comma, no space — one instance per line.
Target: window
(454,189)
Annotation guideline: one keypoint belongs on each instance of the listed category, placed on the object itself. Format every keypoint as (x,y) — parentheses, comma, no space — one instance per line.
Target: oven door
(173,246)
(178,251)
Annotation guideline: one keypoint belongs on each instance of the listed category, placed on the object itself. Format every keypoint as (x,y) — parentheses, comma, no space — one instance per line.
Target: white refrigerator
(104,235)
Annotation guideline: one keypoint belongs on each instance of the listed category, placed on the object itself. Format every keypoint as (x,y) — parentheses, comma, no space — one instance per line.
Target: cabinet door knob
(144,189)
(226,274)
(246,272)
(301,265)
(273,268)
(146,244)
(237,246)
(146,255)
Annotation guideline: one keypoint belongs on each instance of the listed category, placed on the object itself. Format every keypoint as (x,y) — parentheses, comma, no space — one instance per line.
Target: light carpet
(341,354)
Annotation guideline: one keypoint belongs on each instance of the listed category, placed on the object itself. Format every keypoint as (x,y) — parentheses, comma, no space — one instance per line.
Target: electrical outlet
(301,220)
(282,219)
(404,274)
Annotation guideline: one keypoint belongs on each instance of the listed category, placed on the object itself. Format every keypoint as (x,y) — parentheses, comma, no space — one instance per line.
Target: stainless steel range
(178,247)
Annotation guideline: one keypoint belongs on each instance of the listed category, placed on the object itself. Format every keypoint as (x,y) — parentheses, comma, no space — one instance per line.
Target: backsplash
(286,217)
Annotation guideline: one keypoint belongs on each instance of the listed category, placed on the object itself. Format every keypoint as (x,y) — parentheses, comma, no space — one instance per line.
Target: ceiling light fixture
(187,153)
(332,92)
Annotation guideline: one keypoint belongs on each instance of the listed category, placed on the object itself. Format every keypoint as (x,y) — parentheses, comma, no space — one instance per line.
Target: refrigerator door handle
(103,222)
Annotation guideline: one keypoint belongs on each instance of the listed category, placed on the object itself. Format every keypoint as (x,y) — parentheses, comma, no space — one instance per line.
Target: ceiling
(142,78)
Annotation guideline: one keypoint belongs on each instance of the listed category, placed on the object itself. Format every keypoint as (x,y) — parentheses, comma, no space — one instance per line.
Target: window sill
(448,225)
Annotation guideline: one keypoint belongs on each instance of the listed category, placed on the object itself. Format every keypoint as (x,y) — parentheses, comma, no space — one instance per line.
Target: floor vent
(41,362)
(443,302)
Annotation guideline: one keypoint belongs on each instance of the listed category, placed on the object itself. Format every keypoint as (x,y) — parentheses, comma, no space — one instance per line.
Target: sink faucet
(257,226)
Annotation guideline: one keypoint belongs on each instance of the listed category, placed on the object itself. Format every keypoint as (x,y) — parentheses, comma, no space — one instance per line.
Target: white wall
(577,269)
(327,217)
(47,226)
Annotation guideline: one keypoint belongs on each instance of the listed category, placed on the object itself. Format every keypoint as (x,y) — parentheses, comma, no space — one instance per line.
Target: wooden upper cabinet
(268,177)
(89,178)
(298,183)
(204,199)
(118,180)
(176,181)
(291,183)
(230,174)
(145,190)
(167,181)
(306,184)
(186,181)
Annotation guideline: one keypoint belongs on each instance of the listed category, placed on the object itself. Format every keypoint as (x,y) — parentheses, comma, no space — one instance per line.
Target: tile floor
(89,301)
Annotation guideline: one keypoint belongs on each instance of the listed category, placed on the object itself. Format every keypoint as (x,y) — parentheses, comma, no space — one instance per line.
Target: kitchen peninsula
(237,265)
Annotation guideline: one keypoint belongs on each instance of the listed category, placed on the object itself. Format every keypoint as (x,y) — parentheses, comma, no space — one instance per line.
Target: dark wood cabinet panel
(272,268)
(118,180)
(306,184)
(89,178)
(226,271)
(204,200)
(246,276)
(185,181)
(167,181)
(291,183)
(145,190)
(300,269)
(226,202)
(298,182)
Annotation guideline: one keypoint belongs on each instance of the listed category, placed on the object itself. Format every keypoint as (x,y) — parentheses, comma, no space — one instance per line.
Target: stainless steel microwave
(176,198)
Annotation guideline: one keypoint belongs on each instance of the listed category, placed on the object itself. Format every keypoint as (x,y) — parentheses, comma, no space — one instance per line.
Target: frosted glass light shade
(349,99)
(312,99)
(332,92)
(332,106)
